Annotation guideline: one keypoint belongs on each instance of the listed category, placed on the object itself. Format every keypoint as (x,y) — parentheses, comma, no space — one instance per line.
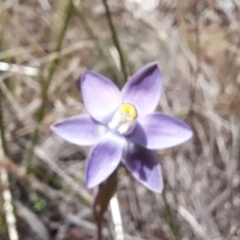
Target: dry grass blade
(18,69)
(6,193)
(117,219)
(7,201)
(193,222)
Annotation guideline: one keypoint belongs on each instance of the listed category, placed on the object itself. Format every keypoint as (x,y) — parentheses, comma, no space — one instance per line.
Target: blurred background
(45,45)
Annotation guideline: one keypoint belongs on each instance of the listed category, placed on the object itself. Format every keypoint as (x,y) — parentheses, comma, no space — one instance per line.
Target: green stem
(46,84)
(2,129)
(169,216)
(103,56)
(3,144)
(116,40)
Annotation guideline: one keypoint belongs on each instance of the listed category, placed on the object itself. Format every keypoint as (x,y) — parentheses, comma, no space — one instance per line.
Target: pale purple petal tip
(143,90)
(160,131)
(143,165)
(80,129)
(104,159)
(101,96)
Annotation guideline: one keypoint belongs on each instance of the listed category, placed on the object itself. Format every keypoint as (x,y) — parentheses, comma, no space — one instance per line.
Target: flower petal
(143,90)
(80,130)
(160,131)
(101,96)
(143,165)
(104,159)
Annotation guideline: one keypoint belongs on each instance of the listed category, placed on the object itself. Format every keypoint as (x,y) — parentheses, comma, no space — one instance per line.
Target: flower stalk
(97,42)
(105,193)
(116,41)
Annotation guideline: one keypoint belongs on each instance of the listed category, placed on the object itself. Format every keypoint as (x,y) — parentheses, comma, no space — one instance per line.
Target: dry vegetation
(197,45)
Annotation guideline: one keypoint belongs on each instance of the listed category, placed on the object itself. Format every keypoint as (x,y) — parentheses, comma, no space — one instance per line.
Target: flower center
(124,119)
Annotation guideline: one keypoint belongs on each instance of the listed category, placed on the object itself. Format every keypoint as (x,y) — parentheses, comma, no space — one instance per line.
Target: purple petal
(80,130)
(143,90)
(143,165)
(104,159)
(101,96)
(159,131)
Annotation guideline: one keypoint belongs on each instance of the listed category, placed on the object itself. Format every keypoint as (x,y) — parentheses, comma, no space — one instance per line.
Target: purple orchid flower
(123,127)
